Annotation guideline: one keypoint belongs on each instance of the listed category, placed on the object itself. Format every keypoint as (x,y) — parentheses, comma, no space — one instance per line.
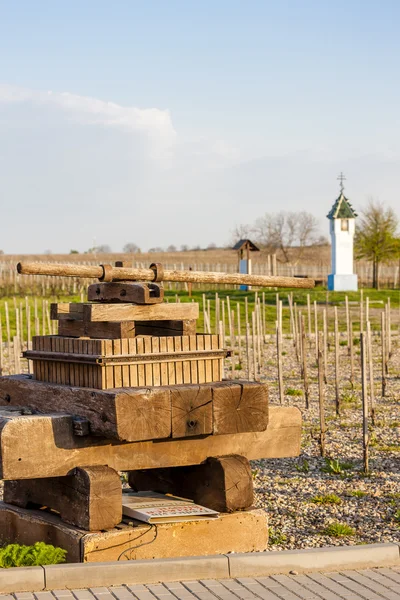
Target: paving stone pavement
(368,584)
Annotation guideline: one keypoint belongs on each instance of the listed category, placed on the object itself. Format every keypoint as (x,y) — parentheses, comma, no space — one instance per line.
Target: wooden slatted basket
(133,362)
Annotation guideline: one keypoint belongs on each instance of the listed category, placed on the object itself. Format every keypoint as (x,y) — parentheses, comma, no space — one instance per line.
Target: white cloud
(154,123)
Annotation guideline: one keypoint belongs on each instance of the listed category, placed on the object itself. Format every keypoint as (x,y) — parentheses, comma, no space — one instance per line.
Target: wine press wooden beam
(156,273)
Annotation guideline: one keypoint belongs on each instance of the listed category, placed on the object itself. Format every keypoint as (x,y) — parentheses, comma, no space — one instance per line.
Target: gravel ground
(368,503)
(285,488)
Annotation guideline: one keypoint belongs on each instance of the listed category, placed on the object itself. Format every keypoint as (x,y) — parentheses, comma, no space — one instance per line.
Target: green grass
(320,295)
(276,538)
(339,530)
(358,493)
(327,499)
(293,392)
(334,466)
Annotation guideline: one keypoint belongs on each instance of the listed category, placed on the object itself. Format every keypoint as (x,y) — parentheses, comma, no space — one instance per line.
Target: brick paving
(367,584)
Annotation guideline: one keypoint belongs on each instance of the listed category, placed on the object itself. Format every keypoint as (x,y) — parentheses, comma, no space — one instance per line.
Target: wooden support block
(126,291)
(173,311)
(89,498)
(131,414)
(241,406)
(245,531)
(165,328)
(98,330)
(191,410)
(224,484)
(45,446)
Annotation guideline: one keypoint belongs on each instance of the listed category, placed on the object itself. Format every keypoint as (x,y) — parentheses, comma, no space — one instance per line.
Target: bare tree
(290,232)
(171,248)
(240,232)
(131,248)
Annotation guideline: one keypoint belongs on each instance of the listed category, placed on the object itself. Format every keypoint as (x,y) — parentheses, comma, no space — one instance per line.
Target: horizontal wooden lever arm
(134,274)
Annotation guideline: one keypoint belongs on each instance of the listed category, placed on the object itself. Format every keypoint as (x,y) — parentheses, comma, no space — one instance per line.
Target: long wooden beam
(109,273)
(44,446)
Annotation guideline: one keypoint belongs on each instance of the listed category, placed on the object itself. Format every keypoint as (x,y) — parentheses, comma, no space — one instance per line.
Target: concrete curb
(257,564)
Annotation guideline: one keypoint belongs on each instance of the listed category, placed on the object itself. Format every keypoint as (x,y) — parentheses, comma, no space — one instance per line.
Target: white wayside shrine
(342,226)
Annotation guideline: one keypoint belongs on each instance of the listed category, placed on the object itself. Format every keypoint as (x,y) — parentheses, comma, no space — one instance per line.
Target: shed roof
(342,209)
(244,243)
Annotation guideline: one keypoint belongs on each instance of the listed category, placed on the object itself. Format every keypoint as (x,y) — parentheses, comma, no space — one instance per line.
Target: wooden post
(351,349)
(248,349)
(337,391)
(316,329)
(279,362)
(239,336)
(364,403)
(8,327)
(253,331)
(309,316)
(371,372)
(325,343)
(389,329)
(292,329)
(361,311)
(348,323)
(304,369)
(321,394)
(383,351)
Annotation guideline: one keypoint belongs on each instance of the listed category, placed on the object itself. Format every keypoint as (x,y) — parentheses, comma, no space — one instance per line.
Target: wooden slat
(208,362)
(116,344)
(194,376)
(163,366)
(125,368)
(178,370)
(201,363)
(148,368)
(133,368)
(155,348)
(141,368)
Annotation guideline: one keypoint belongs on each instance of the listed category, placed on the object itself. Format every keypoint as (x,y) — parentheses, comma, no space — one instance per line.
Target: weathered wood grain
(172,311)
(131,414)
(191,410)
(89,498)
(138,293)
(97,330)
(240,407)
(224,484)
(53,450)
(164,328)
(140,274)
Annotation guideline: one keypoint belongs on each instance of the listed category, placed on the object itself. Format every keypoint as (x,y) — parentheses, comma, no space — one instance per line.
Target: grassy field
(325,300)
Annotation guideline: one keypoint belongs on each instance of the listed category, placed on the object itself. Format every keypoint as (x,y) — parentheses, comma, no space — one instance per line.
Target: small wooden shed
(243,248)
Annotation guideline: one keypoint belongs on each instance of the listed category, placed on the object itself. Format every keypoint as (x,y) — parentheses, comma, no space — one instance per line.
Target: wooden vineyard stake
(309,316)
(248,350)
(361,311)
(383,352)
(337,391)
(254,347)
(371,372)
(325,343)
(239,336)
(305,368)
(296,332)
(316,329)
(348,323)
(279,362)
(364,403)
(321,396)
(8,327)
(351,349)
(388,330)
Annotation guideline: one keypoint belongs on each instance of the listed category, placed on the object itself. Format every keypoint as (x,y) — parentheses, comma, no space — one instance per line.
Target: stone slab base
(342,283)
(245,531)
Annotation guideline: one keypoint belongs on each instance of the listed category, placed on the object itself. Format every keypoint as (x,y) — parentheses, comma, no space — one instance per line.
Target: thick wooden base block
(90,498)
(98,330)
(224,484)
(245,531)
(45,446)
(137,414)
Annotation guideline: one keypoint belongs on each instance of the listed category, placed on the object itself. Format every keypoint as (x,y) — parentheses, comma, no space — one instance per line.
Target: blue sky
(171,122)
